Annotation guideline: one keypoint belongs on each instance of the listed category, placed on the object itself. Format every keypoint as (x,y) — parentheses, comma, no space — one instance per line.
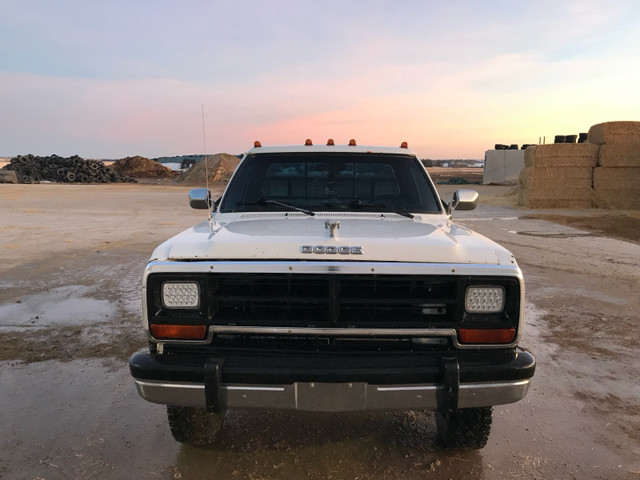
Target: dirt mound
(219,167)
(141,167)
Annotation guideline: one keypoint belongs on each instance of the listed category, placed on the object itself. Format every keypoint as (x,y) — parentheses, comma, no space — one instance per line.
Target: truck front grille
(332,301)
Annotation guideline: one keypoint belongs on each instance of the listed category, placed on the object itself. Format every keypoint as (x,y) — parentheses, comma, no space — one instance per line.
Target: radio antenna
(206,161)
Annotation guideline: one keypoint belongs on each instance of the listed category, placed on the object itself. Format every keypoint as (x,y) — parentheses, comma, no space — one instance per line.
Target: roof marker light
(257,144)
(352,142)
(404,145)
(330,142)
(308,142)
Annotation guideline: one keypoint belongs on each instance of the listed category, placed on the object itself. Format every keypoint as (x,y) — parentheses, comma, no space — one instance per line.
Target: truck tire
(193,426)
(467,428)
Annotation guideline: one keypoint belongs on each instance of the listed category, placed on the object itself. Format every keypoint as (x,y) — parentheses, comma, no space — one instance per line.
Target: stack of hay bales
(558,175)
(616,178)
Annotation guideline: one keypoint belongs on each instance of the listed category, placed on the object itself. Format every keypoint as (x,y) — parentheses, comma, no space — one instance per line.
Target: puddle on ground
(70,305)
(553,234)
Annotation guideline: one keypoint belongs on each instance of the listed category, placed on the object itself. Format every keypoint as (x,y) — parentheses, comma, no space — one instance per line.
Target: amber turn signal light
(495,335)
(178,332)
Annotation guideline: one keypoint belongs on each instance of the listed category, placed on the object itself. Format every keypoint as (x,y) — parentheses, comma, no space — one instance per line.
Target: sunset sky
(115,78)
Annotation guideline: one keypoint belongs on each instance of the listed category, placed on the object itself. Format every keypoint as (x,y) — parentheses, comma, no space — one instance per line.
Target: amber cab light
(494,335)
(308,142)
(352,142)
(330,142)
(178,332)
(404,145)
(257,144)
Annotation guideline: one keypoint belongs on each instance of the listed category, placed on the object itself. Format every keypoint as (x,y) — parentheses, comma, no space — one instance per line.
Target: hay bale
(556,187)
(569,204)
(542,201)
(617,187)
(530,157)
(552,178)
(564,193)
(619,155)
(615,132)
(562,155)
(219,167)
(523,177)
(616,177)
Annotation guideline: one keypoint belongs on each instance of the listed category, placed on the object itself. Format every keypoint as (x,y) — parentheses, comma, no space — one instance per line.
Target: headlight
(484,299)
(181,294)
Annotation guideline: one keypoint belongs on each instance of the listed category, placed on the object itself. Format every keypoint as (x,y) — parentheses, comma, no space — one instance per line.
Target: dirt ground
(71,261)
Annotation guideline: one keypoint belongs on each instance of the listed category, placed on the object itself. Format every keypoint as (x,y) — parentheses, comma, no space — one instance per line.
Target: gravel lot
(71,262)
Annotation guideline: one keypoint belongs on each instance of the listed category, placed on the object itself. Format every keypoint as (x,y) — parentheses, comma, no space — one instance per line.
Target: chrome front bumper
(332,397)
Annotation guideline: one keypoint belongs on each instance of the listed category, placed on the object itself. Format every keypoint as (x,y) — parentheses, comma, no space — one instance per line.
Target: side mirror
(464,200)
(200,198)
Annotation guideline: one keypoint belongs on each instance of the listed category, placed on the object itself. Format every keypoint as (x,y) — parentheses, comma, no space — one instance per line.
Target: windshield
(330,182)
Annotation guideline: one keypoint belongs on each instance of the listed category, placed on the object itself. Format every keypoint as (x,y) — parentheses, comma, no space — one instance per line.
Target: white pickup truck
(332,278)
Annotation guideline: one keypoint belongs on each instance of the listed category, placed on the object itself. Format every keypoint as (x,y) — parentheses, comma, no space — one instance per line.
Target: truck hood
(376,238)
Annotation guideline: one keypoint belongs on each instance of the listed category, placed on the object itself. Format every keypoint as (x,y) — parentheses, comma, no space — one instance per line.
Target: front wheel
(193,426)
(467,428)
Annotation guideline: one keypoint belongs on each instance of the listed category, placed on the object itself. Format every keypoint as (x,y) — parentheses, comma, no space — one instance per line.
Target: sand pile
(141,167)
(220,167)
(616,178)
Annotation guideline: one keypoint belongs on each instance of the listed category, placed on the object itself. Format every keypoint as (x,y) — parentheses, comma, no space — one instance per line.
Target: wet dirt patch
(622,226)
(284,445)
(71,343)
(594,333)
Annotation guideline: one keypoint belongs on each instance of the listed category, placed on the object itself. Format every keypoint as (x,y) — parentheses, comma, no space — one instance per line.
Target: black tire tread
(193,426)
(467,428)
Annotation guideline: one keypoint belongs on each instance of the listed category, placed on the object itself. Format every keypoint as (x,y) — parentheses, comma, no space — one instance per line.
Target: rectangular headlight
(484,299)
(181,294)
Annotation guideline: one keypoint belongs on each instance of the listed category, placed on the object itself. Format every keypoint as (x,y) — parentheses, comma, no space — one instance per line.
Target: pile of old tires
(35,169)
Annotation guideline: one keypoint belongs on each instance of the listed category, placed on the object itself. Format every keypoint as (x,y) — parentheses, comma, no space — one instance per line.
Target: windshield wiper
(263,202)
(359,204)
